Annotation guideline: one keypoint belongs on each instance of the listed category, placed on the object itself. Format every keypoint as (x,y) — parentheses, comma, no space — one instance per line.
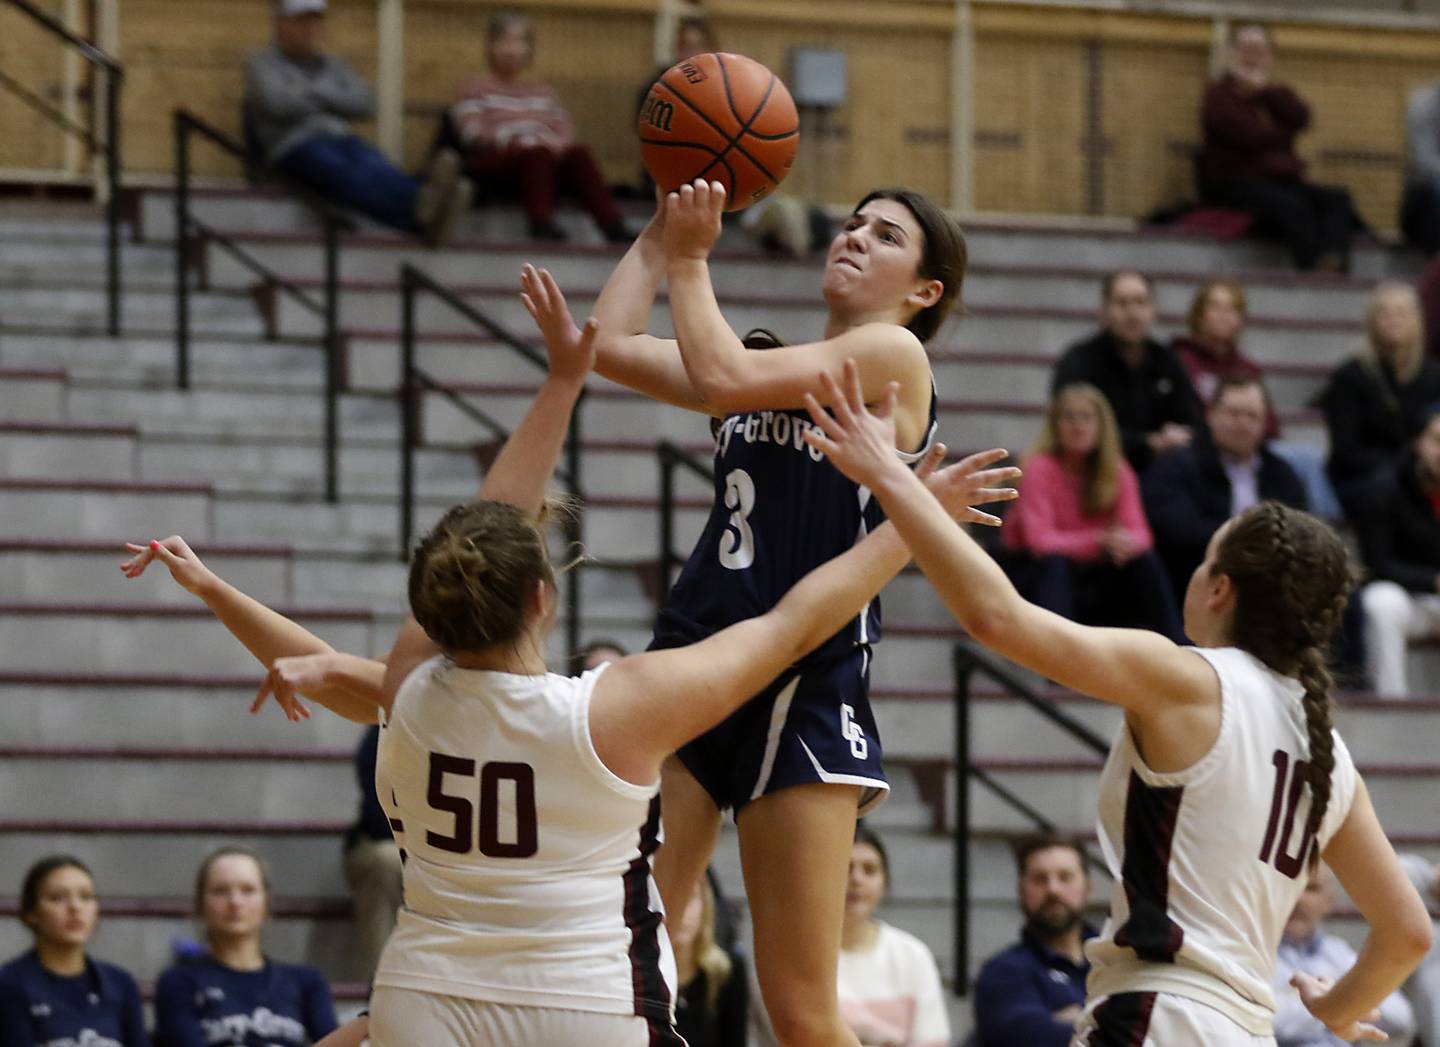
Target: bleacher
(126,739)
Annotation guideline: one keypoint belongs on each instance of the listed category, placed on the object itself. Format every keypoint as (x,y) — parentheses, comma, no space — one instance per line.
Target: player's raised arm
(522,471)
(1133,668)
(1400,932)
(731,378)
(625,352)
(638,715)
(265,633)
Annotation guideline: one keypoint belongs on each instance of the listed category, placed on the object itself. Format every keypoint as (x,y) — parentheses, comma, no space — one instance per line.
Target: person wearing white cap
(299,102)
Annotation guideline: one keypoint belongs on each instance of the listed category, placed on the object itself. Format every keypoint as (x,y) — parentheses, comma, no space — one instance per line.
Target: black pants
(1420,216)
(1313,220)
(1098,592)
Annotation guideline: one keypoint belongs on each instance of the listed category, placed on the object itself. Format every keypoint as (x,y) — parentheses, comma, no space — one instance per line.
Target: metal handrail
(969,659)
(114,78)
(414,282)
(670,457)
(333,221)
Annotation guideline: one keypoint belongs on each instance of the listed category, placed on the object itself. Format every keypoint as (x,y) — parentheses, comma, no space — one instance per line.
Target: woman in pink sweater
(1077,542)
(518,139)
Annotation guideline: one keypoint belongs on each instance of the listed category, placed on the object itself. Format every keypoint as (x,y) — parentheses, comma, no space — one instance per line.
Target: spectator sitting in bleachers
(1399,532)
(595,654)
(1190,491)
(1423,987)
(373,868)
(1420,205)
(889,985)
(1032,992)
(1210,350)
(299,102)
(712,999)
(235,987)
(56,993)
(1154,405)
(1076,542)
(1249,160)
(1373,402)
(518,138)
(1306,946)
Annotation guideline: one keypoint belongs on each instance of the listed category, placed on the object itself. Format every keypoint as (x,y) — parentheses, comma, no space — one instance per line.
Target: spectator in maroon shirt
(1249,160)
(1210,351)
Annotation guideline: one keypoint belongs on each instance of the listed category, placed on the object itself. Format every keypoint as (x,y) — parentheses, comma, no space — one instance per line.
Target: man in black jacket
(1399,533)
(1155,406)
(1190,491)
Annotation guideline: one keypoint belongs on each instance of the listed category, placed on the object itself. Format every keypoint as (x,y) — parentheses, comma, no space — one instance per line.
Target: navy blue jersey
(780,510)
(202,1003)
(100,1008)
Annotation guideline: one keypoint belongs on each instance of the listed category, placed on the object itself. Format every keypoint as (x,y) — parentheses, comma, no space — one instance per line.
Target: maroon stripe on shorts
(1123,1020)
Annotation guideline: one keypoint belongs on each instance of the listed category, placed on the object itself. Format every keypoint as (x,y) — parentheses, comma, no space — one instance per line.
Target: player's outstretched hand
(287,678)
(692,219)
(1313,991)
(185,566)
(570,349)
(971,482)
(859,442)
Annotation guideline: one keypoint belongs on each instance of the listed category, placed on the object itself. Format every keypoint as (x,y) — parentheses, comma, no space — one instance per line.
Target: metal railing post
(408,410)
(964,668)
(332,363)
(112,209)
(182,250)
(667,518)
(574,527)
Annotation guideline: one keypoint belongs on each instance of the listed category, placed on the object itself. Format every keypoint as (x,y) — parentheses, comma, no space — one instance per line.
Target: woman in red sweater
(1249,160)
(517,138)
(1077,542)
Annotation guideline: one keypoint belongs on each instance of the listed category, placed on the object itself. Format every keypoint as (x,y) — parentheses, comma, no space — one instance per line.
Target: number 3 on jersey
(737,545)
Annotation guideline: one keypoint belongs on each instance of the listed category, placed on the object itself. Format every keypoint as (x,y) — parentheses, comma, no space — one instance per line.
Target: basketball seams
(731,143)
(744,123)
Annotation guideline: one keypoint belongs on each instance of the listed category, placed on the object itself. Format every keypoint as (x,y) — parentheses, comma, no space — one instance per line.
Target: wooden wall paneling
(1357,133)
(1150,97)
(894,126)
(597,57)
(198,62)
(1029,125)
(33,58)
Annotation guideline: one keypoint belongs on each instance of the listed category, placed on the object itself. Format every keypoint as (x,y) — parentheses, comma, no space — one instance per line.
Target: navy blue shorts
(813,724)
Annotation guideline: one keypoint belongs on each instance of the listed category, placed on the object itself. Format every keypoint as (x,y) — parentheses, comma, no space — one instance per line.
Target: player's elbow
(990,623)
(1416,937)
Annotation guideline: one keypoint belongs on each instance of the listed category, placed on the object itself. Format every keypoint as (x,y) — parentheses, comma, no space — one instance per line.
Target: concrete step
(140,709)
(989,280)
(1026,323)
(56,570)
(67,451)
(79,310)
(146,637)
(185,783)
(33,394)
(149,360)
(104,509)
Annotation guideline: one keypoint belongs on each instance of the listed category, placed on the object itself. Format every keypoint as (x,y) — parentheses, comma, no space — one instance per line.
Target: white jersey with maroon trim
(527,862)
(1209,862)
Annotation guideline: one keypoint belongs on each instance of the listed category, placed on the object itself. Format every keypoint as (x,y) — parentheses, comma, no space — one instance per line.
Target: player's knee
(804,1023)
(1386,604)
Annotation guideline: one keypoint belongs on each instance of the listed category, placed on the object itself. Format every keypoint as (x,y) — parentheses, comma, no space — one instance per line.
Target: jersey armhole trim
(1201,767)
(585,745)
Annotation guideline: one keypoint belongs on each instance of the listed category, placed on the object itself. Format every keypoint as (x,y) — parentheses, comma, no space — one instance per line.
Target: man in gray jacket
(299,102)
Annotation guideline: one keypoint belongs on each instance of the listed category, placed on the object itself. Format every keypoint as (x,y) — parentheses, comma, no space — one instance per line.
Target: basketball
(722,117)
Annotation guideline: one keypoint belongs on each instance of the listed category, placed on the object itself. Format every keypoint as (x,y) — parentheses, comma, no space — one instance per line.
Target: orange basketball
(721,117)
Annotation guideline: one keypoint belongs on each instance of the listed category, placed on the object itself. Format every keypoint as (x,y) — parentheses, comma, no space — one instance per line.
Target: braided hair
(1292,576)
